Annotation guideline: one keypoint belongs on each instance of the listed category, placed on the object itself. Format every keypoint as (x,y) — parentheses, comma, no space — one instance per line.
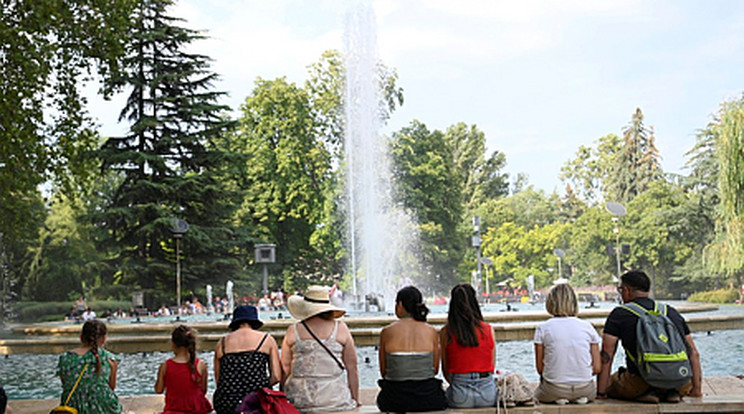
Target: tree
(479,178)
(168,162)
(426,183)
(636,165)
(726,253)
(589,173)
(286,176)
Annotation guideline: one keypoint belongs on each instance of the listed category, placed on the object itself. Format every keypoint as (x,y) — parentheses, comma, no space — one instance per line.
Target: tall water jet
(381,234)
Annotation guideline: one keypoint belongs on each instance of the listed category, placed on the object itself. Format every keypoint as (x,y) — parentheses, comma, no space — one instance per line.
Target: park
(140,185)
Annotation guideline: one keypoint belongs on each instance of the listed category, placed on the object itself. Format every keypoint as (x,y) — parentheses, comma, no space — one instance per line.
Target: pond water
(33,376)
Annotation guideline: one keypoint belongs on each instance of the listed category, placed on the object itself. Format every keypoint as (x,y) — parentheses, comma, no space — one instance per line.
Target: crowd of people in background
(317,365)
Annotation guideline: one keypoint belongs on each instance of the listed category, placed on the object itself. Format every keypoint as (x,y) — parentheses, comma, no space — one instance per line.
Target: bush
(721,296)
(50,311)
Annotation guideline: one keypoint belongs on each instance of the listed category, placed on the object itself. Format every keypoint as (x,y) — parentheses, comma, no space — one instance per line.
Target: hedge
(721,296)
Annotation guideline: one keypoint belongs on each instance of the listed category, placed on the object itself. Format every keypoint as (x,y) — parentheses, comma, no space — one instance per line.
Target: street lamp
(560,254)
(179,228)
(265,253)
(617,210)
(487,262)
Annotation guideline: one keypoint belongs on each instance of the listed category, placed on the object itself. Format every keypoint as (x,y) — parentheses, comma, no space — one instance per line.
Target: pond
(33,376)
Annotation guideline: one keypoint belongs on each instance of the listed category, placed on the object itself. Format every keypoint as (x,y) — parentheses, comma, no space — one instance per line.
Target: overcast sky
(539,78)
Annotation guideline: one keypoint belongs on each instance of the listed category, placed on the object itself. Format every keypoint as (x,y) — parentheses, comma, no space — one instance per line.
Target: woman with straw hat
(245,360)
(319,359)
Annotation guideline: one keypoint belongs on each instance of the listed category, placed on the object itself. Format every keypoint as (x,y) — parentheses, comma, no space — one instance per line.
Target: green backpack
(661,351)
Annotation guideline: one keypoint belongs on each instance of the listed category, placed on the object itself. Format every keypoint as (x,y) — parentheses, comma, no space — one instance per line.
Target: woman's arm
(217,356)
(435,338)
(202,368)
(286,359)
(160,383)
(381,354)
(349,356)
(443,341)
(539,354)
(112,376)
(596,361)
(275,365)
(493,335)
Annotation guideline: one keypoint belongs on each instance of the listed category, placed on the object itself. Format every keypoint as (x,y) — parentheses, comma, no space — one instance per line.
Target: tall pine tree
(636,165)
(169,165)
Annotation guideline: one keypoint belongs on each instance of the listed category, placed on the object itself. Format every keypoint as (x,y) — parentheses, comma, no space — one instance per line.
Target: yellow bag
(66,409)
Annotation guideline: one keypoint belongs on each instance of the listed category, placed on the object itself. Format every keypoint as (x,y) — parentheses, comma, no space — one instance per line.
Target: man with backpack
(662,361)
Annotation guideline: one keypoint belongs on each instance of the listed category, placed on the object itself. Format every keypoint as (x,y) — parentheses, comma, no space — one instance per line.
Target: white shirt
(89,315)
(567,358)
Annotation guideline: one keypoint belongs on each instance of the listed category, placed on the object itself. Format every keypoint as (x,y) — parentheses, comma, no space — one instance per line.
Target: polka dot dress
(240,374)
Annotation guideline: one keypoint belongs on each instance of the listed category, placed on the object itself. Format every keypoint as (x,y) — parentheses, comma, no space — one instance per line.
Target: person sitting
(95,367)
(88,315)
(183,377)
(468,352)
(621,324)
(566,351)
(245,360)
(319,360)
(409,359)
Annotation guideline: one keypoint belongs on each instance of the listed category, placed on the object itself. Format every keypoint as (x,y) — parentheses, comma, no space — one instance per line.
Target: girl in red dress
(184,377)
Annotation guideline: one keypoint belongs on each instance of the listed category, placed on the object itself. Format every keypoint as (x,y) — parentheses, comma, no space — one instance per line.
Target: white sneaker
(561,401)
(582,400)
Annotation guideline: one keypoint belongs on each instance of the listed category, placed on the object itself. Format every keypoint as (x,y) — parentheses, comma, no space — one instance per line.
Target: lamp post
(477,244)
(560,254)
(179,228)
(617,210)
(487,262)
(265,253)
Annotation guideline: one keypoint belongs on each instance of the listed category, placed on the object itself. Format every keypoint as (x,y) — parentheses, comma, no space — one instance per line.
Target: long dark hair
(464,315)
(185,337)
(93,331)
(413,303)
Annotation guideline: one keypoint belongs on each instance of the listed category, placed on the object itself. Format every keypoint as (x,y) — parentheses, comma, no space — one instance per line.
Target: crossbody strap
(74,387)
(340,365)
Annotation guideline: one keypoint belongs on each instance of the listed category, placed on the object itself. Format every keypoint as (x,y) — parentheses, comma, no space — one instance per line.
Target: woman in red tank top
(468,352)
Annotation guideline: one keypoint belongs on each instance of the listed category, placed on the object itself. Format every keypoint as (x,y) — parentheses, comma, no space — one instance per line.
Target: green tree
(427,184)
(286,176)
(725,255)
(636,165)
(169,165)
(588,174)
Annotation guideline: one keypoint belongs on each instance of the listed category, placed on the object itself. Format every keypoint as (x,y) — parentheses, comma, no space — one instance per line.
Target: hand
(695,392)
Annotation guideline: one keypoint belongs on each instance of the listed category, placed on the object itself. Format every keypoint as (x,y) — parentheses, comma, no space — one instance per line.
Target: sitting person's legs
(471,391)
(548,392)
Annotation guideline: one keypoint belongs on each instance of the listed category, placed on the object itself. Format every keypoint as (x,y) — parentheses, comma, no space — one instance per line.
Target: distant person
(319,359)
(88,315)
(566,351)
(245,360)
(409,359)
(627,383)
(164,311)
(264,304)
(95,392)
(79,307)
(184,377)
(468,352)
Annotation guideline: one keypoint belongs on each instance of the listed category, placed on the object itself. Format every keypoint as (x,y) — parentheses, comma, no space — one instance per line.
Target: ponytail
(185,337)
(413,303)
(93,331)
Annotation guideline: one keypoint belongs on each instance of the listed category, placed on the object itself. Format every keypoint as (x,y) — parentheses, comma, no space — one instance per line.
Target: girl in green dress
(95,393)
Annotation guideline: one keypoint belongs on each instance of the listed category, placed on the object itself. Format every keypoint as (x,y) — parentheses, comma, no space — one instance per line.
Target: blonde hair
(561,301)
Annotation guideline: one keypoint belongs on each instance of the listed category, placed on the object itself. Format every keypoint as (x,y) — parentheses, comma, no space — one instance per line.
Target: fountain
(230,297)
(381,234)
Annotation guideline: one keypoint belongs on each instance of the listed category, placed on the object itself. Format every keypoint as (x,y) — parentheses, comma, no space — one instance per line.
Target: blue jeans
(471,391)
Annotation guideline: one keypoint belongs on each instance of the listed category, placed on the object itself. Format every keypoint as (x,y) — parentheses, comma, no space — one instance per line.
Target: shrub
(50,311)
(715,296)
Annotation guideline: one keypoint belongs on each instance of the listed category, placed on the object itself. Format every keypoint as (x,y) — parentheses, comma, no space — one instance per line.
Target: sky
(539,78)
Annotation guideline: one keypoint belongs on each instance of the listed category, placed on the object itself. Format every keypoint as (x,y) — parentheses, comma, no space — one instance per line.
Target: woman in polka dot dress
(245,360)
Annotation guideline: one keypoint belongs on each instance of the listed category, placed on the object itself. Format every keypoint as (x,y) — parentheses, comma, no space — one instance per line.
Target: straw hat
(245,313)
(315,301)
